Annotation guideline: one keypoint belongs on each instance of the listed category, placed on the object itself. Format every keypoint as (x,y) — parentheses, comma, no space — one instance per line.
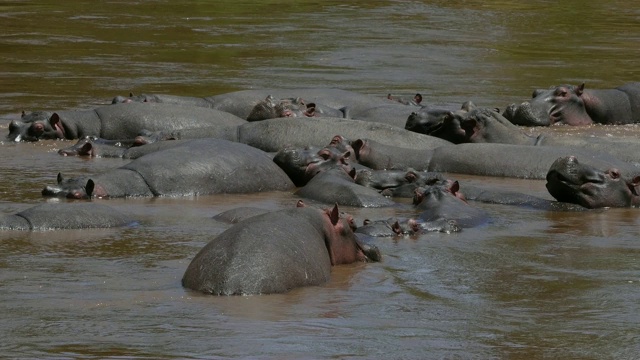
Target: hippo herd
(333,147)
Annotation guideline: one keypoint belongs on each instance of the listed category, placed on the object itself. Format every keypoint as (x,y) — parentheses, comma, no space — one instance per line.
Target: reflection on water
(530,284)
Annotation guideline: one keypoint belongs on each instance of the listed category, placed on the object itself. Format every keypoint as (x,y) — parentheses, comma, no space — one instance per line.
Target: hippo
(299,249)
(575,105)
(235,215)
(416,100)
(242,103)
(378,156)
(56,216)
(119,121)
(570,181)
(97,147)
(397,183)
(166,99)
(272,135)
(482,125)
(443,204)
(336,186)
(517,161)
(198,167)
(490,195)
(439,122)
(271,108)
(301,165)
(390,227)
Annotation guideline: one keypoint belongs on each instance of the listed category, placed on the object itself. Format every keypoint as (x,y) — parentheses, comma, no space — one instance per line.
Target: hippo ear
(353,173)
(470,126)
(455,187)
(89,187)
(357,145)
(334,215)
(54,119)
(300,203)
(59,178)
(396,228)
(85,149)
(23,114)
(417,98)
(580,89)
(311,110)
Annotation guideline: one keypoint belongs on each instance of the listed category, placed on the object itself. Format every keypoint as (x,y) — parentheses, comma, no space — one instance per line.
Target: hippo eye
(614,173)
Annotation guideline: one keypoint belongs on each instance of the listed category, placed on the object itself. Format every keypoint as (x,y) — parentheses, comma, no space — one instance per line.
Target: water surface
(528,285)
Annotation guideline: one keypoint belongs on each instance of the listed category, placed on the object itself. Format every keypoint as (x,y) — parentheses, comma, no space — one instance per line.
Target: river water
(528,285)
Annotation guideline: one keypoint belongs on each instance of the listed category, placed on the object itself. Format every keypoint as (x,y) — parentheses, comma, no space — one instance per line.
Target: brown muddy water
(528,285)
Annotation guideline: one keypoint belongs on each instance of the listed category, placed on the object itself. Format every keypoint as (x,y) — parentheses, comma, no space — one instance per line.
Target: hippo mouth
(566,189)
(525,115)
(555,114)
(568,181)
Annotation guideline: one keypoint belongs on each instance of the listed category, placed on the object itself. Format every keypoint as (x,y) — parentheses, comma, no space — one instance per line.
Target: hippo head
(74,188)
(483,125)
(84,147)
(270,108)
(437,190)
(303,164)
(342,244)
(441,123)
(35,126)
(133,98)
(559,104)
(341,145)
(572,182)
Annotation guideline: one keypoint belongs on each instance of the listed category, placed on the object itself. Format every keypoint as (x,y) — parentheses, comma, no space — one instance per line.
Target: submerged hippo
(571,181)
(298,249)
(197,167)
(118,121)
(270,108)
(52,216)
(575,105)
(442,203)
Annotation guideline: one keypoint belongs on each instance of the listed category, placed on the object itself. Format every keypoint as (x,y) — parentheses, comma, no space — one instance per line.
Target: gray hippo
(439,122)
(575,105)
(298,250)
(336,186)
(273,135)
(379,156)
(416,100)
(97,147)
(397,183)
(518,161)
(301,165)
(270,108)
(198,167)
(52,216)
(119,121)
(571,181)
(241,103)
(443,203)
(481,125)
